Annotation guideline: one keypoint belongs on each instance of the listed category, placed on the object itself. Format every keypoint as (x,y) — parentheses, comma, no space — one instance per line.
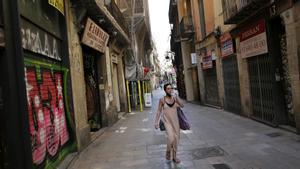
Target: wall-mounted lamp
(217,32)
(101,20)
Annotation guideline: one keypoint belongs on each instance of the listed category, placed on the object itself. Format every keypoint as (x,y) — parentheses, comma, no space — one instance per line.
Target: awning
(130,66)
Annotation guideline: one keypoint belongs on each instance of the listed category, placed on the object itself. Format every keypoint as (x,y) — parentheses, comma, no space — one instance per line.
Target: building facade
(248,58)
(268,57)
(182,44)
(63,76)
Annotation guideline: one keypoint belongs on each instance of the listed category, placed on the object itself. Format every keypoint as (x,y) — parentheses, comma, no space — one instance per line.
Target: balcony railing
(118,15)
(175,38)
(186,27)
(236,11)
(172,10)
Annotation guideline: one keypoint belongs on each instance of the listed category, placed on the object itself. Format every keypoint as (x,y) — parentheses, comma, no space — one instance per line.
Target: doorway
(3,162)
(195,84)
(116,87)
(92,91)
(281,62)
(211,86)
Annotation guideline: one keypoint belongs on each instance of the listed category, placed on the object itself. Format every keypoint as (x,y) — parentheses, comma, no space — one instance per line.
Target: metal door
(231,84)
(262,85)
(2,145)
(211,86)
(3,162)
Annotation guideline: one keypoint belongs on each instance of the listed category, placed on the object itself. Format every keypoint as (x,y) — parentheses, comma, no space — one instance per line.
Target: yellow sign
(58,4)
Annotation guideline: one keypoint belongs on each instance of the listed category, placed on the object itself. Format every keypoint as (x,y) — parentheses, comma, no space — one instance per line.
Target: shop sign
(38,41)
(207,62)
(194,58)
(226,45)
(58,4)
(253,40)
(94,36)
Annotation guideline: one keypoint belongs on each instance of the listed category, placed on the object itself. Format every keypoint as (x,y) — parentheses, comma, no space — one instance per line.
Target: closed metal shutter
(231,85)
(211,86)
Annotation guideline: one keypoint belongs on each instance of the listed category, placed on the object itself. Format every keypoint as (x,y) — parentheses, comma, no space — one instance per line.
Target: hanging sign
(253,40)
(226,45)
(194,58)
(207,62)
(58,4)
(94,36)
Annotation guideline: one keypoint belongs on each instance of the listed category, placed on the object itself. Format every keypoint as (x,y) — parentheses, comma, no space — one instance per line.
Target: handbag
(161,125)
(183,122)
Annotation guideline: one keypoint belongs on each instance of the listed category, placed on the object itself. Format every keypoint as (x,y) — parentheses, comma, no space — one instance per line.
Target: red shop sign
(253,40)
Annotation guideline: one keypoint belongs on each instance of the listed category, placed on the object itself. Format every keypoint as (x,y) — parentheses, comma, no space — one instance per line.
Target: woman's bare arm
(179,102)
(158,113)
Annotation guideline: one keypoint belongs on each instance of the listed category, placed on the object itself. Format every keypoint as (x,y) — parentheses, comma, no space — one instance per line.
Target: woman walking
(168,106)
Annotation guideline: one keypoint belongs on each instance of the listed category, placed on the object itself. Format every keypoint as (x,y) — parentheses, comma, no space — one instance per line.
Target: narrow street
(218,140)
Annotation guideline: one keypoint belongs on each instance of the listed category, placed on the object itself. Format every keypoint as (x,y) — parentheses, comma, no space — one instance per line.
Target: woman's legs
(175,145)
(172,144)
(170,140)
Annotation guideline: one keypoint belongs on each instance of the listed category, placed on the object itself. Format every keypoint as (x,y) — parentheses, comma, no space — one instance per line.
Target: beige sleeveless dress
(171,123)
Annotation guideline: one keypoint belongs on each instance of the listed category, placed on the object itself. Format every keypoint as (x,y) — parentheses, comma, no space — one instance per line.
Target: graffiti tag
(47,121)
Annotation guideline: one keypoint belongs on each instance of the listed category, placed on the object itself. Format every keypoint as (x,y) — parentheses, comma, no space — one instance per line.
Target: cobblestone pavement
(218,140)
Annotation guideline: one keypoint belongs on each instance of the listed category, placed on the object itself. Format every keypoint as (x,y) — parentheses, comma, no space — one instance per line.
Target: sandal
(175,159)
(168,155)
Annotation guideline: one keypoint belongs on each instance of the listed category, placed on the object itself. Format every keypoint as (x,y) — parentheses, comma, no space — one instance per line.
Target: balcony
(118,15)
(235,11)
(175,39)
(186,27)
(172,10)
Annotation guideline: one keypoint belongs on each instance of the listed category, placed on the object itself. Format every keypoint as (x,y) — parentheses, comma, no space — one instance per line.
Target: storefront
(95,40)
(262,52)
(210,77)
(232,101)
(46,76)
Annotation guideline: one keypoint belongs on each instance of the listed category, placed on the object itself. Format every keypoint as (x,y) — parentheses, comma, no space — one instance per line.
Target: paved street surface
(218,140)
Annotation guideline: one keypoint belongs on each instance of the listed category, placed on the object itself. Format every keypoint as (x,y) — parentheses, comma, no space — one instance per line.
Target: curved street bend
(218,140)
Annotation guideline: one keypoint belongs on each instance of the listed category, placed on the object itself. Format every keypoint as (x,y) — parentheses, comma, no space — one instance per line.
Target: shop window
(41,13)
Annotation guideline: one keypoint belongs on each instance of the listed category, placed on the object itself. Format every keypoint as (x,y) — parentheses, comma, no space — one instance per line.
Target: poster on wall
(253,40)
